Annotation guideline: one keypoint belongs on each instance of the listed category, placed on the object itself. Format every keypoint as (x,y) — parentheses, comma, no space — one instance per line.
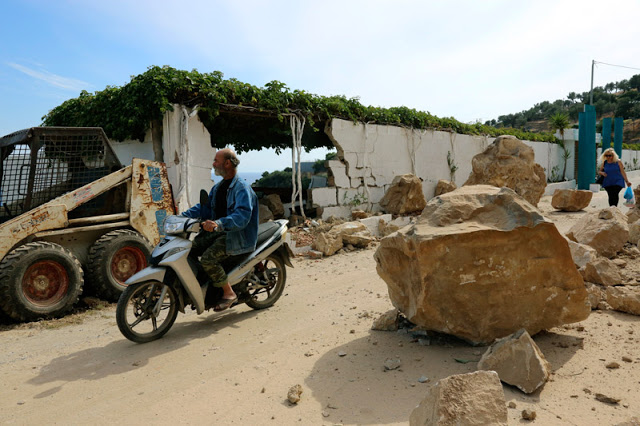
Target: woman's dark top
(614,175)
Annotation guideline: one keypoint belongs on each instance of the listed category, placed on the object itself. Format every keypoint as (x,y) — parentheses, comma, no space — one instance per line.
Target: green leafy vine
(240,114)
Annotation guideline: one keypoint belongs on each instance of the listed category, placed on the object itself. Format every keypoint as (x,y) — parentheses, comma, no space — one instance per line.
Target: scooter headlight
(173,227)
(174,251)
(175,224)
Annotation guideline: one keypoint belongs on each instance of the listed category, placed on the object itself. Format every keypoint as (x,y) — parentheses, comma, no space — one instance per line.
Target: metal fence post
(586,147)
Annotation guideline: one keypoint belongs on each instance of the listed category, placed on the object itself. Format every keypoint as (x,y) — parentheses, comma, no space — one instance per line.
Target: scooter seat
(265,231)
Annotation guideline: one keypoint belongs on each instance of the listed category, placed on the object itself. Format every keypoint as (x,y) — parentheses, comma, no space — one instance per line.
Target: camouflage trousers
(212,246)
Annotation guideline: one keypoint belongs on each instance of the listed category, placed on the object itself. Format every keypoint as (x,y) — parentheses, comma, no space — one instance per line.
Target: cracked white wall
(372,155)
(187,153)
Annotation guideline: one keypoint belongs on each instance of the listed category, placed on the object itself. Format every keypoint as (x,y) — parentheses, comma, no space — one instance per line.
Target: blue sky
(473,60)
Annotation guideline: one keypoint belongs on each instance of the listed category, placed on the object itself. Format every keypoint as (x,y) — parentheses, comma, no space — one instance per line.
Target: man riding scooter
(230,222)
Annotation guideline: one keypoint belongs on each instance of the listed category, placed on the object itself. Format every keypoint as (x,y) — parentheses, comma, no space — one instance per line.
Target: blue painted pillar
(606,133)
(586,147)
(618,124)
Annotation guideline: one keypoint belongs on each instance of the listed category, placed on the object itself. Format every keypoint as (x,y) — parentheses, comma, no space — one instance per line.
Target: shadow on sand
(353,387)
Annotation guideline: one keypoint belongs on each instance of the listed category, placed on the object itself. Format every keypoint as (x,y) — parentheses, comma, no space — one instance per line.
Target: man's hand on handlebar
(209,225)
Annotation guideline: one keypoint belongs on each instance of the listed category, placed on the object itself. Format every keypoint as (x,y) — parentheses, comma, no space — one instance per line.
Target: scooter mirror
(204,198)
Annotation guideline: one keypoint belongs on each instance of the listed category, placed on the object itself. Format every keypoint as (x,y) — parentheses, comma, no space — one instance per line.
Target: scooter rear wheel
(274,275)
(146,311)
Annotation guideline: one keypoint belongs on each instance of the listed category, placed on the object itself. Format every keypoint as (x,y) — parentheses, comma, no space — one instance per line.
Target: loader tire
(39,280)
(113,259)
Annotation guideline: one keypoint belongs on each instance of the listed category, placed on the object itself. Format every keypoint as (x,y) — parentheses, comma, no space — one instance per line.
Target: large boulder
(404,196)
(570,200)
(373,223)
(265,214)
(508,162)
(582,254)
(359,239)
(354,233)
(634,213)
(274,203)
(389,321)
(444,186)
(518,361)
(327,242)
(606,231)
(464,400)
(634,232)
(602,271)
(392,226)
(482,263)
(595,293)
(624,299)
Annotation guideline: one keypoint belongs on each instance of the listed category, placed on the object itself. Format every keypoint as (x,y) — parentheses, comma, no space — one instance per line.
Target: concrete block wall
(323,197)
(373,155)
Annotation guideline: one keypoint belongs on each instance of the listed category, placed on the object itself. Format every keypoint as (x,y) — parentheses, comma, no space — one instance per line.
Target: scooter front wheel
(146,311)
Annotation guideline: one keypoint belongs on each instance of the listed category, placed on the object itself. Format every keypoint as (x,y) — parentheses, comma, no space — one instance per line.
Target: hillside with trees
(619,99)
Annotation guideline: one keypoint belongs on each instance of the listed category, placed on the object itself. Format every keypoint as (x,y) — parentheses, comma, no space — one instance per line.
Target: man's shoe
(225,304)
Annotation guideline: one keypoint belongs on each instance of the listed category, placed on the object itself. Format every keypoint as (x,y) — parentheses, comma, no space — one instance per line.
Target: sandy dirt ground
(236,367)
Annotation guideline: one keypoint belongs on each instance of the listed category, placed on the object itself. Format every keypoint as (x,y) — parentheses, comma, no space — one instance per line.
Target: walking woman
(614,175)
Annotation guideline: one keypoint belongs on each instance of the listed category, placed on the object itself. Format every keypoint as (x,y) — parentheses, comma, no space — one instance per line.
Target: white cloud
(50,78)
(460,58)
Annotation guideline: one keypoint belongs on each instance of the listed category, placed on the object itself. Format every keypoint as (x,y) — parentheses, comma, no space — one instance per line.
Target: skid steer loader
(67,206)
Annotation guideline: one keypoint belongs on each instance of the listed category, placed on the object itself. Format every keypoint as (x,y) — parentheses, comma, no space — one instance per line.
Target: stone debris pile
(604,250)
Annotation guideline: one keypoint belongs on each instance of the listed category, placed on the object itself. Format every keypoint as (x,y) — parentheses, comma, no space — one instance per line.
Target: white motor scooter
(149,305)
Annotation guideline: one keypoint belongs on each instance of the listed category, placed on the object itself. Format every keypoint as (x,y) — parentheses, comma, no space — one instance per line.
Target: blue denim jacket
(241,221)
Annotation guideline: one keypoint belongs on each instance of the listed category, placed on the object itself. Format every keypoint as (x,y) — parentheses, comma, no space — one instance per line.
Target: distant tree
(626,104)
(624,85)
(559,122)
(607,99)
(278,179)
(574,110)
(520,121)
(319,165)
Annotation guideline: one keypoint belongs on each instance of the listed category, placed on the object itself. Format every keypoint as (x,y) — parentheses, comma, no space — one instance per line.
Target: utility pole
(593,62)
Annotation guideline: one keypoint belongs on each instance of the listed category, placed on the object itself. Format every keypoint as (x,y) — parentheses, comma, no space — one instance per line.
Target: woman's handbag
(600,179)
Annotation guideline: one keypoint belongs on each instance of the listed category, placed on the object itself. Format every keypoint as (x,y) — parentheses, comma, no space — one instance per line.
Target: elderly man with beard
(230,222)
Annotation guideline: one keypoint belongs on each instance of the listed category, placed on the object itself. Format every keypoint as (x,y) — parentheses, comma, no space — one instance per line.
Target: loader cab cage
(42,163)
